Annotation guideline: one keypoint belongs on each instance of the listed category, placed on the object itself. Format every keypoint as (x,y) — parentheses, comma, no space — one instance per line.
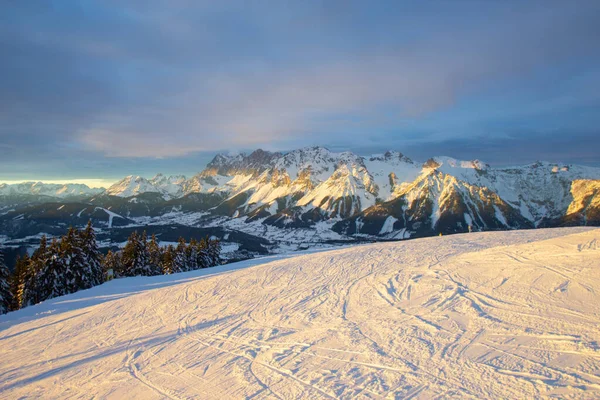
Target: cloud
(517,148)
(148,81)
(253,106)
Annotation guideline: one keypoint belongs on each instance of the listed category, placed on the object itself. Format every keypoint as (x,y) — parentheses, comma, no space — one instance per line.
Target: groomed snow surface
(481,315)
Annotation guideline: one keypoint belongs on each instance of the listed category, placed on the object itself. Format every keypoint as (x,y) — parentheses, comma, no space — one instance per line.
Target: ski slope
(482,315)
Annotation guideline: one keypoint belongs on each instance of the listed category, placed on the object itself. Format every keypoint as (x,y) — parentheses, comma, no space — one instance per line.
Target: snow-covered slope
(482,315)
(168,186)
(48,189)
(171,185)
(131,186)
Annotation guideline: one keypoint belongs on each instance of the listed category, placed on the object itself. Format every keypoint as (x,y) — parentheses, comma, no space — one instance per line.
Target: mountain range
(385,196)
(48,189)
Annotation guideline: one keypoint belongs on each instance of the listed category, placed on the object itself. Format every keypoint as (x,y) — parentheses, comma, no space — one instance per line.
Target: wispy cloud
(143,80)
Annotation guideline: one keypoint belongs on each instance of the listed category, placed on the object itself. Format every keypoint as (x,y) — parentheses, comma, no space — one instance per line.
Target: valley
(270,202)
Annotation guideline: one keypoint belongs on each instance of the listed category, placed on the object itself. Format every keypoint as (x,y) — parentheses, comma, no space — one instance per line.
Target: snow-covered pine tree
(136,256)
(143,257)
(155,256)
(180,258)
(202,249)
(77,274)
(51,281)
(16,284)
(38,262)
(113,261)
(93,257)
(109,264)
(168,257)
(6,296)
(118,263)
(214,252)
(192,255)
(28,291)
(129,257)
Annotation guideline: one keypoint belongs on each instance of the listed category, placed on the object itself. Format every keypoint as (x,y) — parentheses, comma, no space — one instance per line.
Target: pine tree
(154,257)
(16,284)
(143,260)
(203,257)
(136,256)
(77,273)
(51,281)
(193,256)
(214,252)
(129,255)
(93,257)
(168,258)
(38,262)
(6,296)
(180,259)
(27,291)
(118,264)
(112,262)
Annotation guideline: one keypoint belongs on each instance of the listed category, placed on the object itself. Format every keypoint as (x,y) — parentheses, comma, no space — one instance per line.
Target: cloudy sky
(107,88)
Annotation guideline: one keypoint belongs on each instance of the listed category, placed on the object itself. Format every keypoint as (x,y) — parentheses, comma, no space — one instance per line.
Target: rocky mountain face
(584,209)
(129,186)
(386,195)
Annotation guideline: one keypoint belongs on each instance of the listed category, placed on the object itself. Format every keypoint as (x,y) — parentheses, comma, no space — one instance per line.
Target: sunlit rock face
(383,195)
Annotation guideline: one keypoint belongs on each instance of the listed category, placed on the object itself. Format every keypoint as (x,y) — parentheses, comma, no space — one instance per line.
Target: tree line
(144,257)
(74,262)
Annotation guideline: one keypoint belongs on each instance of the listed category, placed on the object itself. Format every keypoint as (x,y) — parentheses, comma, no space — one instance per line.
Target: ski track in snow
(111,215)
(482,315)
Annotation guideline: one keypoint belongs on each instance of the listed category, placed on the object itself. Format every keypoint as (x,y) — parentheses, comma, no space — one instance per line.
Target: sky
(100,89)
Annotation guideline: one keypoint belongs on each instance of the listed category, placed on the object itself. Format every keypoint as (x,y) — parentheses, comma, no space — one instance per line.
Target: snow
(132,186)
(286,239)
(482,315)
(111,215)
(340,185)
(468,219)
(388,225)
(527,188)
(48,189)
(500,216)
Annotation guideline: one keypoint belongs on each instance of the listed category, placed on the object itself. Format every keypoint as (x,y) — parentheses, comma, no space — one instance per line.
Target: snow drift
(483,315)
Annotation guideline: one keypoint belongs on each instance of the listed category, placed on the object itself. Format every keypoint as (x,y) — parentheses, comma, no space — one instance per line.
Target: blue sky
(102,89)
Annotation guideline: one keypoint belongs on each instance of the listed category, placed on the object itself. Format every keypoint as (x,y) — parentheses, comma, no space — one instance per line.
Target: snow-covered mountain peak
(303,187)
(312,184)
(315,160)
(48,189)
(131,186)
(160,179)
(450,162)
(169,187)
(252,164)
(391,157)
(220,159)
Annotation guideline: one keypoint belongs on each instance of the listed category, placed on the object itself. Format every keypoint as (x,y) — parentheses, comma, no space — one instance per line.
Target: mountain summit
(338,195)
(382,195)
